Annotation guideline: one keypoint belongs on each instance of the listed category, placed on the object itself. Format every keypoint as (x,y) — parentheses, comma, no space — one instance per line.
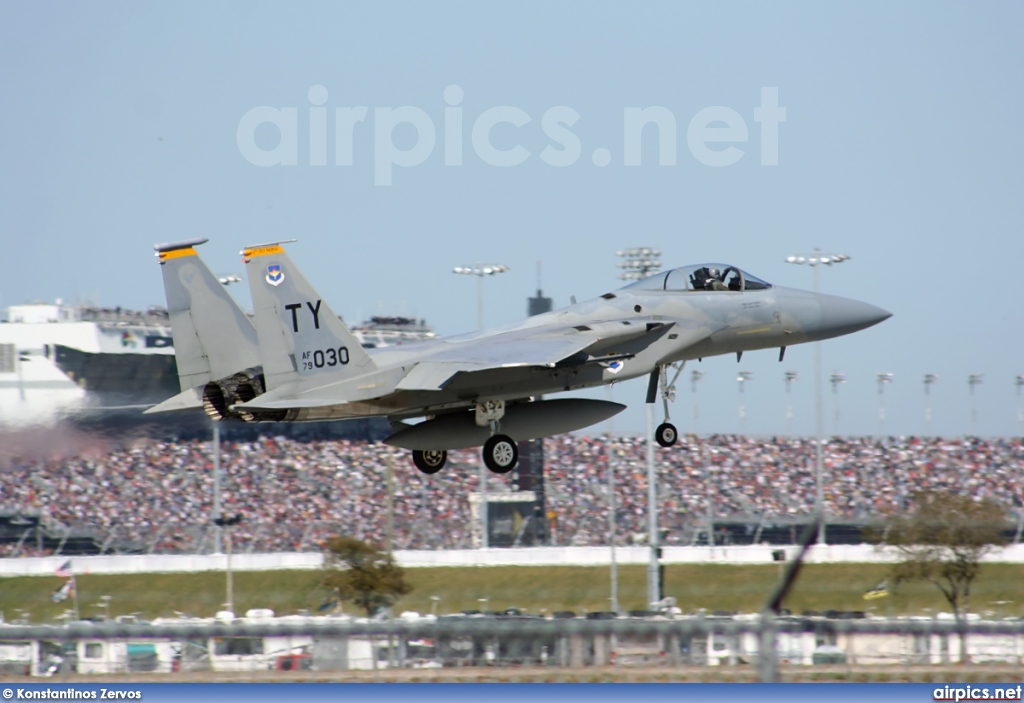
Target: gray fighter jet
(476,389)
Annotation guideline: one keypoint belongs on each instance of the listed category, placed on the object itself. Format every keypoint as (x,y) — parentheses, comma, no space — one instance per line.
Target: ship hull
(139,377)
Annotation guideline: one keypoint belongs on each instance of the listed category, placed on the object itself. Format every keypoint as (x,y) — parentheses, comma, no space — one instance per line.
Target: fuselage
(725,321)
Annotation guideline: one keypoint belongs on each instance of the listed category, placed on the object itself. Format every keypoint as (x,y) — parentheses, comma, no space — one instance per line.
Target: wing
(543,346)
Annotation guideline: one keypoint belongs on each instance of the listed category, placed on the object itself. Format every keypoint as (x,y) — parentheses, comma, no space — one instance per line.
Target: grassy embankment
(533,589)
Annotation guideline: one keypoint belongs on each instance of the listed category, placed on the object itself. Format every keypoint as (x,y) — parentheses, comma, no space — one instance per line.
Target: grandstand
(151,496)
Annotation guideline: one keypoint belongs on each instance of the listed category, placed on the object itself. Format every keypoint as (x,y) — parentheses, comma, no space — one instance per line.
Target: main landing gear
(500,454)
(500,451)
(666,434)
(429,461)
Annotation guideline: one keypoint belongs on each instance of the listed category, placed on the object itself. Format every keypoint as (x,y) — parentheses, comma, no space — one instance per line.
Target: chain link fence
(521,648)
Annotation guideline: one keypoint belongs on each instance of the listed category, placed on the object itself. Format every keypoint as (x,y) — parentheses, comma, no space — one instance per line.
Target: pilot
(714,281)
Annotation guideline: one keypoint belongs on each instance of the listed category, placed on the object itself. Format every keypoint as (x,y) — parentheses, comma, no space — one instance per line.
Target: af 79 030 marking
(320,358)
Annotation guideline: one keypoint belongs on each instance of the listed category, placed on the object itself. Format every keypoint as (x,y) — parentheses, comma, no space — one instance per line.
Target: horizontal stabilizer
(522,421)
(190,399)
(261,403)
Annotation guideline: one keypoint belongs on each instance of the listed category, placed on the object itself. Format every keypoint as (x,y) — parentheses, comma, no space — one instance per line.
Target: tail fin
(302,342)
(212,336)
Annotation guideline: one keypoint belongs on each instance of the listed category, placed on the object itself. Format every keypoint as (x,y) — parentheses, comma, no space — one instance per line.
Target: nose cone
(841,316)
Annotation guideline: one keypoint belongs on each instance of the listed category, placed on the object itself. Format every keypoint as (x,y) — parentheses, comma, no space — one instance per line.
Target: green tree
(363,574)
(942,540)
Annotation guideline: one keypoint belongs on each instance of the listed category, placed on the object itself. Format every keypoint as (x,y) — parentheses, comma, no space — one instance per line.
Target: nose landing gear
(666,434)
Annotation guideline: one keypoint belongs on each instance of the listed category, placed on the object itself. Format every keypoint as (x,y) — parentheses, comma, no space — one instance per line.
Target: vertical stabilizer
(302,342)
(212,336)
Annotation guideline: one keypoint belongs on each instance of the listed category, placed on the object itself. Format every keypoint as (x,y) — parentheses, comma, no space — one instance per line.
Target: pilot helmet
(714,273)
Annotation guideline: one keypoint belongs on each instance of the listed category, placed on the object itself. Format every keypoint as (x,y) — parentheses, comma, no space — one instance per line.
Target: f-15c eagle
(299,362)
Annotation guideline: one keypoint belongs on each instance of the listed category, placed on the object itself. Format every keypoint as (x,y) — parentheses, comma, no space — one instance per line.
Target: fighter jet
(483,388)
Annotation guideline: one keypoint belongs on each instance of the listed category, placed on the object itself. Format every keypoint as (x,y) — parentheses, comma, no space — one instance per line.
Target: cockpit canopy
(702,277)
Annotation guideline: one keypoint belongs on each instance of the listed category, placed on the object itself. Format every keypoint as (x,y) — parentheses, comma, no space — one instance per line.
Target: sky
(508,133)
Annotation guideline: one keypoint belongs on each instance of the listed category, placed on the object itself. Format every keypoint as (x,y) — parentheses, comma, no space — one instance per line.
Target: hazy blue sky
(901,147)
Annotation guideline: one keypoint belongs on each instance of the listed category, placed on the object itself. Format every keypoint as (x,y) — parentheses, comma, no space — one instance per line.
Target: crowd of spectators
(293,494)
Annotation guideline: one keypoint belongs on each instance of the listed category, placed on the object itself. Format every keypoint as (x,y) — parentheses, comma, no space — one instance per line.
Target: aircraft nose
(843,316)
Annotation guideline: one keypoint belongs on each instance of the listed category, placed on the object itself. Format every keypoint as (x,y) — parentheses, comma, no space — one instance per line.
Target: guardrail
(524,556)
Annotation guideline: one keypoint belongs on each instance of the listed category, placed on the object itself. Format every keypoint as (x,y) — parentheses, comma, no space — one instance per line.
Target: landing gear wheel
(666,434)
(500,454)
(429,461)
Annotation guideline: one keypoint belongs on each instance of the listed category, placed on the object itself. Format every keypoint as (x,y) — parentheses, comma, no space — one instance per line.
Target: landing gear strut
(666,434)
(500,451)
(429,461)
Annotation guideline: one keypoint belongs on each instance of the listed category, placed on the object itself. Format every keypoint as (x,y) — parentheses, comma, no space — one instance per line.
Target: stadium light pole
(789,377)
(225,280)
(1019,382)
(637,263)
(225,522)
(481,270)
(709,497)
(742,377)
(653,595)
(929,380)
(973,380)
(882,378)
(816,260)
(217,531)
(389,482)
(836,379)
(612,525)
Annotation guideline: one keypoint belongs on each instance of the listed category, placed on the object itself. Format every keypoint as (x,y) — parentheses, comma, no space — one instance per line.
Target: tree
(942,540)
(364,574)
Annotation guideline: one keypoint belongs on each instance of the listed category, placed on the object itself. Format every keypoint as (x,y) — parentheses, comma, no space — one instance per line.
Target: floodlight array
(818,258)
(638,262)
(481,269)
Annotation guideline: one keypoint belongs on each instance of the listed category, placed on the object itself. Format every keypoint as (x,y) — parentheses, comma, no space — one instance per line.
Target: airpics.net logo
(715,136)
